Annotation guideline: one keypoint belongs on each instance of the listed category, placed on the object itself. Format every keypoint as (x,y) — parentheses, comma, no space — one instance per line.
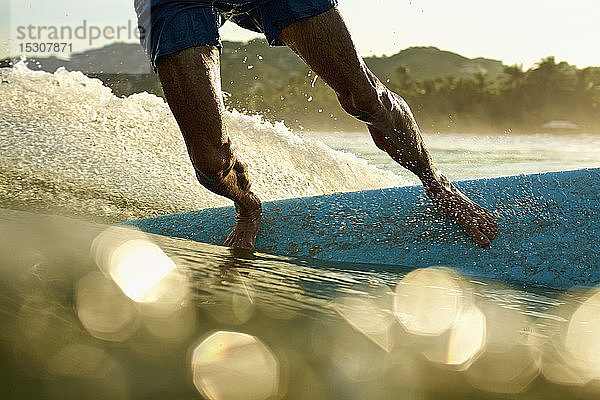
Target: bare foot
(247,220)
(476,221)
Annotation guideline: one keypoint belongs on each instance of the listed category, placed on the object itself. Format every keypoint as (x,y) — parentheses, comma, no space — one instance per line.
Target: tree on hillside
(512,76)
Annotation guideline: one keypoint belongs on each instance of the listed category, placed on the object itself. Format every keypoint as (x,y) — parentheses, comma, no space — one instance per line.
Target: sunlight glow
(139,267)
(232,365)
(428,301)
(364,316)
(104,311)
(464,342)
(582,338)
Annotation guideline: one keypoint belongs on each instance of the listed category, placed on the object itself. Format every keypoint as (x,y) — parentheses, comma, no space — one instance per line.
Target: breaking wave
(69,145)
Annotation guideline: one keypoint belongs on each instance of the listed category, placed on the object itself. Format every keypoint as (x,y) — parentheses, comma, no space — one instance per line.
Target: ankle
(432,180)
(249,205)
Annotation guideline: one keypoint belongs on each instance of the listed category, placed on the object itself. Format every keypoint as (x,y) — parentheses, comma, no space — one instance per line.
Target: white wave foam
(67,140)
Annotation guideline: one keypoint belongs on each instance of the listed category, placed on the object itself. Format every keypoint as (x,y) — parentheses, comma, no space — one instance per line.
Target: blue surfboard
(549,229)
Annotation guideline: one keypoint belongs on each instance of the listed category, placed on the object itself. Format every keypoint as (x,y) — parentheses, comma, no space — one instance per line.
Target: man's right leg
(191,82)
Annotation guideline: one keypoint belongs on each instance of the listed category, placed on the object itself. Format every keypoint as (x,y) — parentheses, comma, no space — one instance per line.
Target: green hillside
(447,92)
(277,64)
(431,62)
(272,66)
(243,61)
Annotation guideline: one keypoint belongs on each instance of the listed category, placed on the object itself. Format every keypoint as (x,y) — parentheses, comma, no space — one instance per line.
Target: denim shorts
(169,26)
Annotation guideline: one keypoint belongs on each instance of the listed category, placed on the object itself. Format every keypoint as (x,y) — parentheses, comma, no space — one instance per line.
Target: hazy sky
(514,31)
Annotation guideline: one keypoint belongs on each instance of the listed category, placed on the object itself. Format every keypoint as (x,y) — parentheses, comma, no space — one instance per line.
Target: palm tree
(513,76)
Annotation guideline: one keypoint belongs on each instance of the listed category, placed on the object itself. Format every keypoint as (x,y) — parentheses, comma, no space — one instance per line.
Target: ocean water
(472,155)
(88,310)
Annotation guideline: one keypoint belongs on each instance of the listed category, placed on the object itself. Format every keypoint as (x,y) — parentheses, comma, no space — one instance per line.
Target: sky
(513,31)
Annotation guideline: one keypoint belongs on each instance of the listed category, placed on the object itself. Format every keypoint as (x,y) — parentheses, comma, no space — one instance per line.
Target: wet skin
(247,221)
(191,82)
(192,85)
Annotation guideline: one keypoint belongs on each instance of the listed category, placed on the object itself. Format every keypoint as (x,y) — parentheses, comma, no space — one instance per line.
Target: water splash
(69,145)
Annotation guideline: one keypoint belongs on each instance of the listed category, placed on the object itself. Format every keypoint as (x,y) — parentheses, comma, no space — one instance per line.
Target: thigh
(276,15)
(324,43)
(192,85)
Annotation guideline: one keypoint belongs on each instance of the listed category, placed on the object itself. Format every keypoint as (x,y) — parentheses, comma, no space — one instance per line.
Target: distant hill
(127,58)
(241,62)
(274,83)
(431,62)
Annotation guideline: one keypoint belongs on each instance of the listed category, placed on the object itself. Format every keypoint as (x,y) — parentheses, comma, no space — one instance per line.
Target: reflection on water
(104,311)
(428,301)
(139,267)
(369,317)
(232,365)
(89,311)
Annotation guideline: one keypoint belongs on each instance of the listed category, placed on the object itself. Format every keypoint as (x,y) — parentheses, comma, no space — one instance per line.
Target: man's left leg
(323,41)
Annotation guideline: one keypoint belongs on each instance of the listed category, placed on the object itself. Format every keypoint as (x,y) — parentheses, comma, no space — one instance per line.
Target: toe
(488,230)
(492,225)
(488,223)
(239,241)
(481,239)
(477,235)
(230,239)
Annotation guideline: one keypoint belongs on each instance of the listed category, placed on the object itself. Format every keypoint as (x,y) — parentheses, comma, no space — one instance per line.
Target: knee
(218,166)
(212,159)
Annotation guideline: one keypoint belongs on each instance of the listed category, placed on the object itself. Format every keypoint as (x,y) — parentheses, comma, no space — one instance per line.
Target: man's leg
(191,82)
(324,43)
